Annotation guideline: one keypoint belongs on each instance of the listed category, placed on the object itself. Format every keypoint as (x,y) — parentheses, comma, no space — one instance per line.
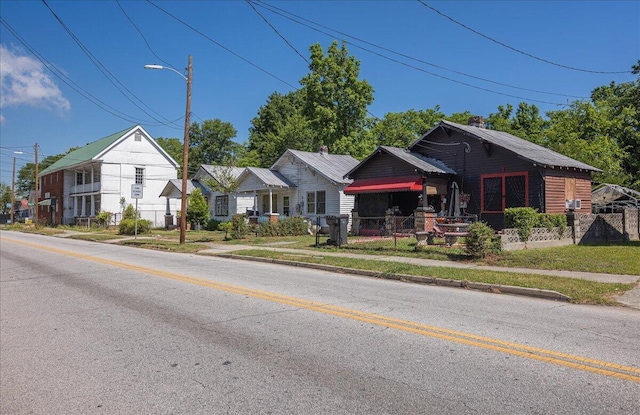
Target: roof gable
(267,178)
(86,153)
(332,167)
(523,148)
(420,162)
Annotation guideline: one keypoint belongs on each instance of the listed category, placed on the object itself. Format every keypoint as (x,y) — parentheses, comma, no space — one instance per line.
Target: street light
(185,151)
(13,186)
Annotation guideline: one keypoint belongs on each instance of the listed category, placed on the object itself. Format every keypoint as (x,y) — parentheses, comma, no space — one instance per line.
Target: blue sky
(61,94)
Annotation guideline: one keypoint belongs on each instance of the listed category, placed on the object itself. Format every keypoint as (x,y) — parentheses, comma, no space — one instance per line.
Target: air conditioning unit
(574,204)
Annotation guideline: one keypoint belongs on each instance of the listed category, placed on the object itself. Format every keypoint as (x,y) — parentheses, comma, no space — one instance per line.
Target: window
(139,175)
(317,202)
(274,204)
(311,202)
(285,205)
(222,205)
(79,177)
(504,190)
(138,137)
(321,204)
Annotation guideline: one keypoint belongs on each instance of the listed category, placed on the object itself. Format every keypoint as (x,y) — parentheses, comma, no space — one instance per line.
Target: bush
(481,240)
(103,219)
(225,227)
(213,225)
(524,219)
(240,229)
(128,226)
(197,208)
(130,212)
(288,227)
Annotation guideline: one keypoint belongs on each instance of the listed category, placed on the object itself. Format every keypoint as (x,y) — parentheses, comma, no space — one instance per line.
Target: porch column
(168,211)
(270,201)
(93,206)
(83,208)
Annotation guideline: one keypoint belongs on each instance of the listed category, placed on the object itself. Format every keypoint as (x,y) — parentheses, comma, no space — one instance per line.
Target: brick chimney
(476,121)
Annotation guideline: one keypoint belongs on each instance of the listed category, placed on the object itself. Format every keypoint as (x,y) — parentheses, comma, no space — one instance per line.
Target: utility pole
(185,159)
(13,189)
(35,206)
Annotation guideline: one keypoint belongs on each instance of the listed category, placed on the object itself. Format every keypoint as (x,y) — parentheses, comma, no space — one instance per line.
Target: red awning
(386,184)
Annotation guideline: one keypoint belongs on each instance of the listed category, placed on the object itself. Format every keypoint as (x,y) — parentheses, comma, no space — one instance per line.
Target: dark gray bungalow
(493,170)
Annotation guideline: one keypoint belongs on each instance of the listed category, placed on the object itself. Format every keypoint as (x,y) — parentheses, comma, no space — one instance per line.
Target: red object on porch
(385,184)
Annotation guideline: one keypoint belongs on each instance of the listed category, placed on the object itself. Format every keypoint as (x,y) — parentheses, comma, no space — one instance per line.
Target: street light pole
(13,186)
(185,149)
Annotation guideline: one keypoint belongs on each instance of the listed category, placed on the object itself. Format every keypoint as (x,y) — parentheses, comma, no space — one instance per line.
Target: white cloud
(25,82)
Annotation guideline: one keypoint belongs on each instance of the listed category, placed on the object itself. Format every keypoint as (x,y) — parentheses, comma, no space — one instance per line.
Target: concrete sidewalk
(630,298)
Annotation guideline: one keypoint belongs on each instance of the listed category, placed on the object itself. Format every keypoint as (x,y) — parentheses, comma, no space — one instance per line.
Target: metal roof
(86,153)
(269,178)
(173,188)
(332,167)
(523,148)
(420,162)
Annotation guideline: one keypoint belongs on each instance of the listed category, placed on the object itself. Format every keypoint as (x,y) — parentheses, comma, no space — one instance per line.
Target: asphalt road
(90,328)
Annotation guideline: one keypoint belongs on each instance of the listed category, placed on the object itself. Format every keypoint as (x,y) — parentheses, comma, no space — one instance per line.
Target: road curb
(445,282)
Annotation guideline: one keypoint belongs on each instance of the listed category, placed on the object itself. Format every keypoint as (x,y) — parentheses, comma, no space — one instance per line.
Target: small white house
(299,183)
(102,174)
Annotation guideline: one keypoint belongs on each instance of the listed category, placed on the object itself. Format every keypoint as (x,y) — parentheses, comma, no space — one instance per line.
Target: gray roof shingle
(333,167)
(523,148)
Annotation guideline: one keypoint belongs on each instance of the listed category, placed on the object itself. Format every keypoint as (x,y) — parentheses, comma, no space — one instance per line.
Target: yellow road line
(628,373)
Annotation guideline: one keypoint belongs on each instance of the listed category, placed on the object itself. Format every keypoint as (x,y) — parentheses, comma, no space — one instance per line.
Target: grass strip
(580,291)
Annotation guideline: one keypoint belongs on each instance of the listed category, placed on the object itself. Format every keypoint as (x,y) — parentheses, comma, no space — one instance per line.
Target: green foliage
(226,227)
(174,147)
(481,241)
(400,129)
(5,198)
(103,219)
(212,225)
(288,227)
(27,173)
(239,228)
(524,219)
(130,212)
(211,143)
(128,226)
(197,208)
(335,100)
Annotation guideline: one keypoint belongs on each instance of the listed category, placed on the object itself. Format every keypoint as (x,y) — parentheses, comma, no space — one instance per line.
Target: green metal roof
(86,153)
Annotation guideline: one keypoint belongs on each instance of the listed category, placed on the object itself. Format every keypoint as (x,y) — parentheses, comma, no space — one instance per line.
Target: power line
(514,49)
(220,45)
(287,15)
(69,82)
(140,33)
(276,30)
(103,69)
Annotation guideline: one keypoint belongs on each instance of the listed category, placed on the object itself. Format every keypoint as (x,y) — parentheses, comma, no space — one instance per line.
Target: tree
(197,208)
(26,180)
(211,143)
(400,129)
(173,147)
(279,125)
(623,103)
(335,100)
(587,132)
(5,198)
(526,123)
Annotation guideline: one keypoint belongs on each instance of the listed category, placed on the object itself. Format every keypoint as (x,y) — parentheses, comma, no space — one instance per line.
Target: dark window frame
(503,190)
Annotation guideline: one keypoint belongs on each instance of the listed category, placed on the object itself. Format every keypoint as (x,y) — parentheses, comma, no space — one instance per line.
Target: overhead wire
(294,18)
(515,49)
(107,73)
(68,81)
(219,44)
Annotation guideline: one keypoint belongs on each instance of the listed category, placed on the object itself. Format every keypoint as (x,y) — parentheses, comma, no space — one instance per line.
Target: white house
(100,175)
(299,183)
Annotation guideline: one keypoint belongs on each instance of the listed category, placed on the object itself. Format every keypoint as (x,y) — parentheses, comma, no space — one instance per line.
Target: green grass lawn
(580,291)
